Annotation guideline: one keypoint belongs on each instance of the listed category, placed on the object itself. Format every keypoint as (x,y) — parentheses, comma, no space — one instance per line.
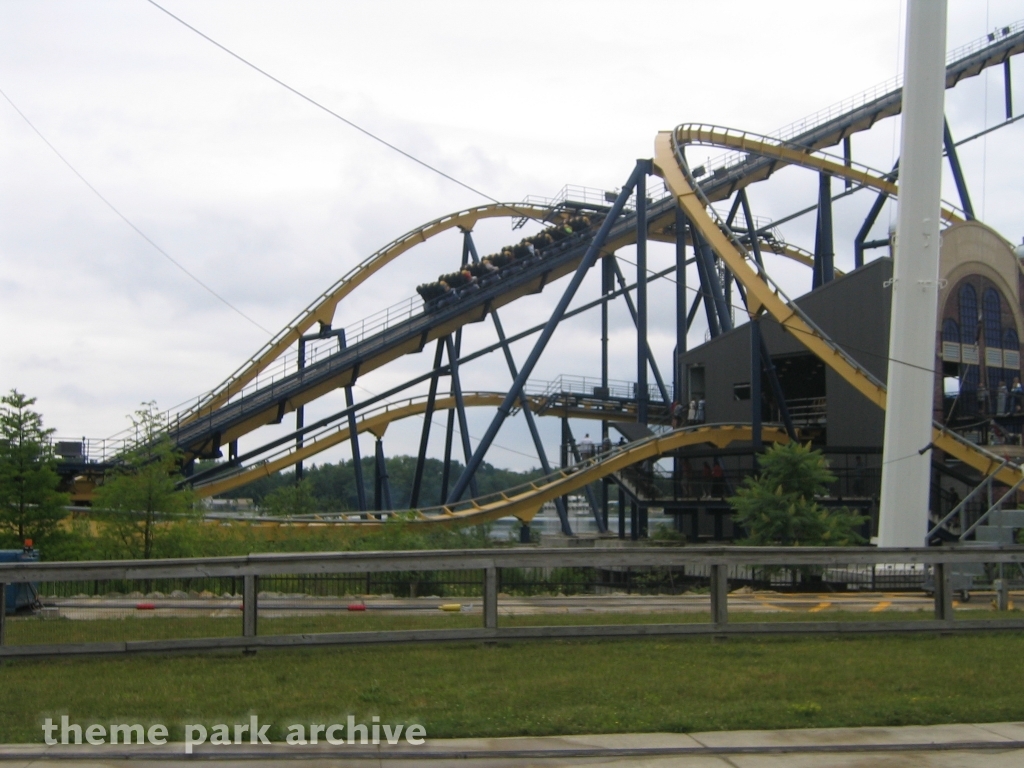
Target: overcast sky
(267,200)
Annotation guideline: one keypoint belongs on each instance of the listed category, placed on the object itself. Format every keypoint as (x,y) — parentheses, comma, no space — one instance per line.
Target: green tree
(778,506)
(290,500)
(30,505)
(140,496)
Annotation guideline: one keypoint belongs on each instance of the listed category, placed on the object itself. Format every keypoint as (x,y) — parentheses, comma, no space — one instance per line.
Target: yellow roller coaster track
(322,309)
(763,296)
(376,423)
(525,501)
(786,153)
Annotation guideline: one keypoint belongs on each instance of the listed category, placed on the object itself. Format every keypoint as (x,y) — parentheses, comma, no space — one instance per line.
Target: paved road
(994,745)
(275,606)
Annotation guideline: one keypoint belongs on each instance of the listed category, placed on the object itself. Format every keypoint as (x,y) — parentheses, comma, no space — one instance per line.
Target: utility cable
(366,132)
(128,221)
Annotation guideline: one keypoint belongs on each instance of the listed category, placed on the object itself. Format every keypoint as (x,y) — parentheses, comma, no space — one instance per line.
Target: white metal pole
(903,514)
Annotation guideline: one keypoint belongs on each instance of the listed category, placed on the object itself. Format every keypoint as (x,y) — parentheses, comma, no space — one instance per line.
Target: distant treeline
(333,486)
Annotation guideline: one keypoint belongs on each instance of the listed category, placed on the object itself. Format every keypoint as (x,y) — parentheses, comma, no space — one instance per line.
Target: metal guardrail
(590,386)
(591,197)
(718,561)
(875,93)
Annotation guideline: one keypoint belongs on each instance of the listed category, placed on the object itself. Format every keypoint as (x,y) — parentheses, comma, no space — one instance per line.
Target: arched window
(950,330)
(1011,355)
(969,375)
(992,326)
(991,310)
(968,314)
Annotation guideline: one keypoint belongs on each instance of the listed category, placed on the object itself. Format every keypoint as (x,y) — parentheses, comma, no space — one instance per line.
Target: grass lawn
(539,688)
(149,626)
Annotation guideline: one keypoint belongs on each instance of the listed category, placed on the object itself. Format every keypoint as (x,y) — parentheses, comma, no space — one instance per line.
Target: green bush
(778,506)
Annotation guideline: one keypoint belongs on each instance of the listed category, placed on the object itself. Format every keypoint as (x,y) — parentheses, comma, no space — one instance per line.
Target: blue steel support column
(606,485)
(682,324)
(642,350)
(848,158)
(460,408)
(711,284)
(633,313)
(755,246)
(450,429)
(622,513)
(595,508)
(353,438)
(545,336)
(357,460)
(958,174)
(824,250)
(421,456)
(531,422)
(733,210)
(447,461)
(773,380)
(755,386)
(449,434)
(869,222)
(1007,90)
(704,295)
(727,290)
(607,286)
(382,486)
(469,247)
(300,412)
(776,385)
(563,453)
(693,310)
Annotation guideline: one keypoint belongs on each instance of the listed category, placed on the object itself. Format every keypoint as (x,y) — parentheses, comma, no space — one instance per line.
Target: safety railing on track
(784,310)
(376,416)
(728,160)
(589,197)
(589,386)
(850,104)
(110,449)
(308,599)
(700,133)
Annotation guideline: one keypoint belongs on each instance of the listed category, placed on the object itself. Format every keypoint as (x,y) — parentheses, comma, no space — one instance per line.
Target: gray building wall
(854,311)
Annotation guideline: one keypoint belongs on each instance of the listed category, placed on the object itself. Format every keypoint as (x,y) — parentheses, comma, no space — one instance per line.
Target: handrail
(472,559)
(960,507)
(990,510)
(878,91)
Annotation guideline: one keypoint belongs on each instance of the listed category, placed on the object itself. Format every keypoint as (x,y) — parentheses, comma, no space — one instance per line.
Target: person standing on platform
(718,480)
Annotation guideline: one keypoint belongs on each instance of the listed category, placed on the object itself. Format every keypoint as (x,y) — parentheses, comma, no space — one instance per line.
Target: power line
(128,221)
(366,132)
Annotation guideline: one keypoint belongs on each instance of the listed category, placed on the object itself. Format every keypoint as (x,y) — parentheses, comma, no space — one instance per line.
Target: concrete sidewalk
(992,745)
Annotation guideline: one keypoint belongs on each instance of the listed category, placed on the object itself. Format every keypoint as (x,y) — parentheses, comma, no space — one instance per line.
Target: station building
(977,380)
